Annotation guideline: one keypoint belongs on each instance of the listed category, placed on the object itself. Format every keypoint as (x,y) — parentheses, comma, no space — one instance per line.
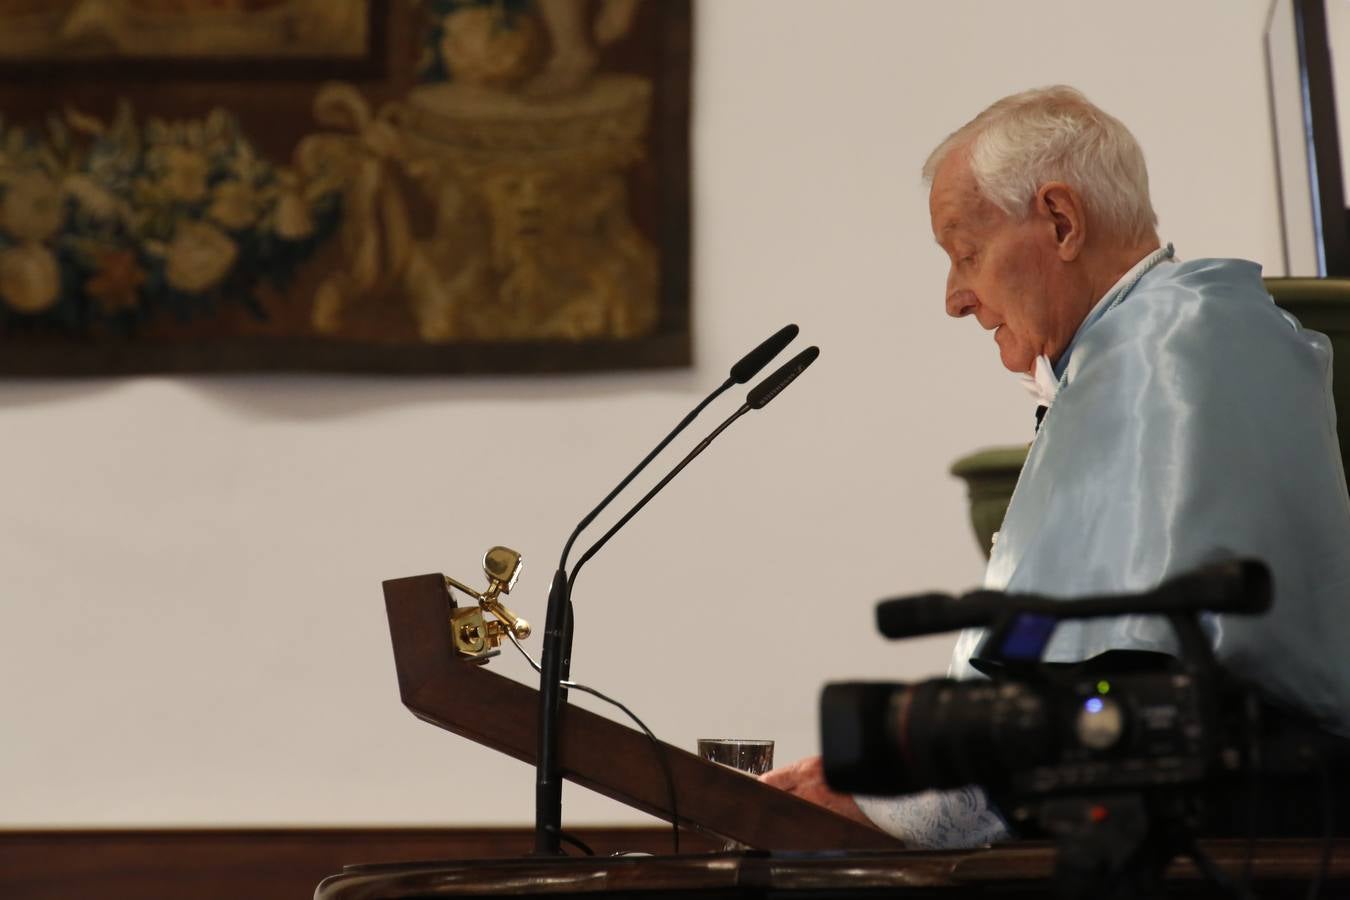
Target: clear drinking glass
(752,756)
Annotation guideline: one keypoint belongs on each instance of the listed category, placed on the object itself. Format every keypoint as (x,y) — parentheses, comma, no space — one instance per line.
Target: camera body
(1100,727)
(1125,720)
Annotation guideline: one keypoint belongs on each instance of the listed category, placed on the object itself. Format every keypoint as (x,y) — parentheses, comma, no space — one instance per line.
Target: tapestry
(343,185)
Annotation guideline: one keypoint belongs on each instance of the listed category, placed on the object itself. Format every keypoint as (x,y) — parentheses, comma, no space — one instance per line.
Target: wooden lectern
(596,752)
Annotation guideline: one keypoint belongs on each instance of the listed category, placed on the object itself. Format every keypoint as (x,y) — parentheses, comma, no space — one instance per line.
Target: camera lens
(886,738)
(954,733)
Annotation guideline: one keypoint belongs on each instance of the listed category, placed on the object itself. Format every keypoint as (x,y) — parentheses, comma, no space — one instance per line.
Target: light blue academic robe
(1194,419)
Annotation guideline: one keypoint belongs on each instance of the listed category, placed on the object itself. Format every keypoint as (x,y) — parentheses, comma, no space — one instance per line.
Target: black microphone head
(771,387)
(759,357)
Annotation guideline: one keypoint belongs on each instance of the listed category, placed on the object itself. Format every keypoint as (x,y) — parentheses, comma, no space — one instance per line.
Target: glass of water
(752,756)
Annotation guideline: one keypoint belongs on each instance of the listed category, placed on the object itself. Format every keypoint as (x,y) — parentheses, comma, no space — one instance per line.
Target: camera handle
(1017,639)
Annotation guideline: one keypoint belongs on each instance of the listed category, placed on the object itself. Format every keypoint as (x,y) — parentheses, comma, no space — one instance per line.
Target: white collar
(1041,382)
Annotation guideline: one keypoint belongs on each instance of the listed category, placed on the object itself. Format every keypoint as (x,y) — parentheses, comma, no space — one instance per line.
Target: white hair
(1055,134)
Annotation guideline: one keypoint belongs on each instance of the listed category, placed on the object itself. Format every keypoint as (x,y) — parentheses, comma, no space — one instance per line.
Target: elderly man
(1182,417)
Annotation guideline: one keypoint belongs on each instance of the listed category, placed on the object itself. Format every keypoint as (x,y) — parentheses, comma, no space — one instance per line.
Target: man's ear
(1062,207)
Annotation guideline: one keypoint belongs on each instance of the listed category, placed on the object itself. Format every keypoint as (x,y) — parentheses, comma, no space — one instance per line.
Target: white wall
(191,624)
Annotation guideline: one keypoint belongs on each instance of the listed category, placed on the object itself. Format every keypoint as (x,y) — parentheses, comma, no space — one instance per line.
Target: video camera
(1117,757)
(1124,720)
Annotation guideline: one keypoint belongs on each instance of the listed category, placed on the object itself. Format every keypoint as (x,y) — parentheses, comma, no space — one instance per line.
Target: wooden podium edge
(597,753)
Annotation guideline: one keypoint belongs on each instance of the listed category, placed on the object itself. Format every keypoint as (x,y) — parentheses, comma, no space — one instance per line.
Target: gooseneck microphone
(548,778)
(758,398)
(748,367)
(556,644)
(1240,586)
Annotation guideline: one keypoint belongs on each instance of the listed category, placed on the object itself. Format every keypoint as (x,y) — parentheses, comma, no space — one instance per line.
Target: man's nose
(960,302)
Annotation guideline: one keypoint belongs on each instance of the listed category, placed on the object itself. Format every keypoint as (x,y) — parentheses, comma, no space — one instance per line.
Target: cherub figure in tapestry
(520,143)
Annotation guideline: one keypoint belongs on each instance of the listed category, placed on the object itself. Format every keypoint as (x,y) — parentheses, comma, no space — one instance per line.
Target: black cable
(575,842)
(660,757)
(656,744)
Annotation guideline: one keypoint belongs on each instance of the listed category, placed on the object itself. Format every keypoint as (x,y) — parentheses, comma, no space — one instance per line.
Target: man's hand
(806,779)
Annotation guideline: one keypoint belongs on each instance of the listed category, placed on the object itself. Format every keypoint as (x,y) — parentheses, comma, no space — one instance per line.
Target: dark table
(1277,868)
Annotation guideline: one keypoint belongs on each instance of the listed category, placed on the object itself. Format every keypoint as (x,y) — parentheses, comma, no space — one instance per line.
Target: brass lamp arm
(475,634)
(465,588)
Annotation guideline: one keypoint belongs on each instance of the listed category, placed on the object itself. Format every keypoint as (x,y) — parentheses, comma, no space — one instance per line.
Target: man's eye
(966,260)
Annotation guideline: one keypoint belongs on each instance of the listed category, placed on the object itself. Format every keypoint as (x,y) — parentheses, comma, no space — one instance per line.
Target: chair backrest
(1323,304)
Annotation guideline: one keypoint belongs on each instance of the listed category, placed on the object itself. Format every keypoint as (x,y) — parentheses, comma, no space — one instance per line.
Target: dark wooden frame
(270,119)
(611,759)
(1331,217)
(373,64)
